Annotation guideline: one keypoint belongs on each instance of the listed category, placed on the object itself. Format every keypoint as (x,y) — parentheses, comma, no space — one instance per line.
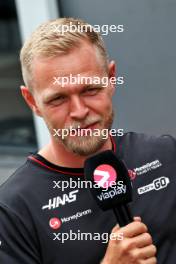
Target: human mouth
(90,126)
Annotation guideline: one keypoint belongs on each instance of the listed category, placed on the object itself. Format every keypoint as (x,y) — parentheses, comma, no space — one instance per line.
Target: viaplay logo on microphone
(105,177)
(110,174)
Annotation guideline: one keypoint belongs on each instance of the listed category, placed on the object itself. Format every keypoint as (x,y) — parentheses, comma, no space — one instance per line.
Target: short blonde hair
(46,41)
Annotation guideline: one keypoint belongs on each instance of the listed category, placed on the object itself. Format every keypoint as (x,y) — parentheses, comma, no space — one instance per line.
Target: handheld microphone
(111,185)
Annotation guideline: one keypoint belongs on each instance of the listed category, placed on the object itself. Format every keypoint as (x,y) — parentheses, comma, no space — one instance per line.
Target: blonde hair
(47,41)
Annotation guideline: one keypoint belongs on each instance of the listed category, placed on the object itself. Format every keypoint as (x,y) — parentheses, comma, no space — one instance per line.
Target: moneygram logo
(55,223)
(150,166)
(132,174)
(76,216)
(105,176)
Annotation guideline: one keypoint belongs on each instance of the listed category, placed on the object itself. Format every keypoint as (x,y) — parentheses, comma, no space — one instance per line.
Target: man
(37,217)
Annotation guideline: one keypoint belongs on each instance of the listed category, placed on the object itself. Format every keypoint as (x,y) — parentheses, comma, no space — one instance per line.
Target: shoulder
(144,147)
(136,138)
(18,186)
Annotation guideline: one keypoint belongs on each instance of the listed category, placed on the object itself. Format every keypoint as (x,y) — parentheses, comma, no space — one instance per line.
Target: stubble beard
(87,145)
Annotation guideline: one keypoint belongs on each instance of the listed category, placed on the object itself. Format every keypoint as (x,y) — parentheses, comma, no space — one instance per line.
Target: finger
(152,260)
(115,228)
(147,252)
(142,240)
(137,218)
(133,229)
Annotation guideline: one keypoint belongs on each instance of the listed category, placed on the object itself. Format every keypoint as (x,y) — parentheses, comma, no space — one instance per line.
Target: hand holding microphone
(135,248)
(112,189)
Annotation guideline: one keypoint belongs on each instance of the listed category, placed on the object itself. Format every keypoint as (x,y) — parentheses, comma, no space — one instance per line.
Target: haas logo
(57,201)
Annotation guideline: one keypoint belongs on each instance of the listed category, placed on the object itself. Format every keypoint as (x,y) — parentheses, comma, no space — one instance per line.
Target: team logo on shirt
(147,167)
(55,223)
(156,185)
(76,216)
(132,174)
(61,200)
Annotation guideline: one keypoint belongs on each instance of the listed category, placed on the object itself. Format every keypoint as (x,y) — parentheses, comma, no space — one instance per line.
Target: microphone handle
(123,214)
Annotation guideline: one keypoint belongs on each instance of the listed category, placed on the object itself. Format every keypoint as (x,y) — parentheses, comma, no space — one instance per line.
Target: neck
(57,154)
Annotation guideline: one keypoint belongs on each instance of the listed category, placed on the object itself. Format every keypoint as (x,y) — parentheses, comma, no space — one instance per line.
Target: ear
(30,100)
(112,74)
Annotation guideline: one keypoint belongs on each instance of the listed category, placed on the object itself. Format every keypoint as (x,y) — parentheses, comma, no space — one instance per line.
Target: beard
(85,145)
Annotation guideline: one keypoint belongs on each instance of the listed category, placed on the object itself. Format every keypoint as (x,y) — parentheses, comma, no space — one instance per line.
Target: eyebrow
(49,96)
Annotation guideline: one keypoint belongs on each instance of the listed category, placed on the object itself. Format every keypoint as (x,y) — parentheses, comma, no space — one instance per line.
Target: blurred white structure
(31,14)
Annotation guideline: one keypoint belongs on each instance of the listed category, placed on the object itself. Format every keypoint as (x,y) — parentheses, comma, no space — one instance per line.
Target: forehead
(84,60)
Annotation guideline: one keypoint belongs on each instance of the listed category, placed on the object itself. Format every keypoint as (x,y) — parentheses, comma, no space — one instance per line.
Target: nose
(78,110)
